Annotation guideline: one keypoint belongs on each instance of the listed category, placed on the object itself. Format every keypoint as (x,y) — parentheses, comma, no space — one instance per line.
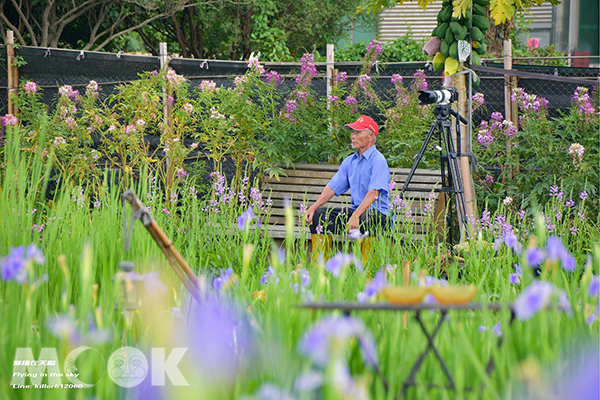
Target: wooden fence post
(13,72)
(167,120)
(510,108)
(330,67)
(459,82)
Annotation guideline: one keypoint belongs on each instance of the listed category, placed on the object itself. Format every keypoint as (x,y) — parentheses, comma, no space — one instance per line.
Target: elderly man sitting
(367,175)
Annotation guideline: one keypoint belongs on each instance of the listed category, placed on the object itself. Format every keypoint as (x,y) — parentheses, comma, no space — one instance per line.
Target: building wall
(399,20)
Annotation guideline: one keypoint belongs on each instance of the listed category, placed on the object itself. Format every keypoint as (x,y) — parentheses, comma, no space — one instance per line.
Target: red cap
(364,122)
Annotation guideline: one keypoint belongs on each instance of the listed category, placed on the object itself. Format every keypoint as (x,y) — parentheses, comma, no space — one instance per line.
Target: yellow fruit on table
(454,294)
(404,294)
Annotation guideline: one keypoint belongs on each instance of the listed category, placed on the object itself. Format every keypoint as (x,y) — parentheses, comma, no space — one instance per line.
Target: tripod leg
(455,173)
(418,157)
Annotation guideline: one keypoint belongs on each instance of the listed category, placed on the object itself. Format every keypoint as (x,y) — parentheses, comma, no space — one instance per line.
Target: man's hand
(309,214)
(353,222)
(325,196)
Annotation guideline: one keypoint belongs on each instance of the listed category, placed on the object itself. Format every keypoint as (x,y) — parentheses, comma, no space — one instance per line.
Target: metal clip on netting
(204,64)
(181,268)
(81,56)
(120,53)
(47,53)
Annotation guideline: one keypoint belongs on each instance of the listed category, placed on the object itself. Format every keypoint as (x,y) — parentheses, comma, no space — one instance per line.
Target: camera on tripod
(444,96)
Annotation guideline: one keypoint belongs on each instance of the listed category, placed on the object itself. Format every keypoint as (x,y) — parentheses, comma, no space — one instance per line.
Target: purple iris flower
(563,302)
(308,381)
(268,276)
(271,392)
(35,254)
(535,256)
(514,279)
(513,243)
(225,277)
(557,251)
(568,262)
(496,329)
(594,286)
(534,298)
(555,248)
(219,338)
(246,218)
(339,261)
(376,285)
(510,239)
(578,376)
(354,234)
(317,341)
(13,266)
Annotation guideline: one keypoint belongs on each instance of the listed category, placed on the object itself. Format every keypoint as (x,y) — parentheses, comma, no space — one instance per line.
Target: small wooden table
(348,307)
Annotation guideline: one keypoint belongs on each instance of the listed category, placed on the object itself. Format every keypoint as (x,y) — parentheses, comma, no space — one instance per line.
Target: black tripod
(449,160)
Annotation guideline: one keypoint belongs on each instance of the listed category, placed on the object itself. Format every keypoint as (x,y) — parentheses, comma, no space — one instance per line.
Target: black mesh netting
(54,68)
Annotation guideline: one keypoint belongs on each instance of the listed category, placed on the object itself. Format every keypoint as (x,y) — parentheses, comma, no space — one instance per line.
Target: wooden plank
(279,232)
(334,168)
(416,210)
(395,172)
(311,197)
(321,182)
(419,222)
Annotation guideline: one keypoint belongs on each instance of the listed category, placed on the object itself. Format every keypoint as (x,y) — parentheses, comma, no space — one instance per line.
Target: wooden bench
(303,185)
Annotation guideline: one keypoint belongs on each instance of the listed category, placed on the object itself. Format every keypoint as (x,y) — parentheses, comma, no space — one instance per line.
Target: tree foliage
(281,30)
(83,24)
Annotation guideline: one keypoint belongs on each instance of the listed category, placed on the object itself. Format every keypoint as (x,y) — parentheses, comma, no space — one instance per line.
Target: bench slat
(316,181)
(345,198)
(278,232)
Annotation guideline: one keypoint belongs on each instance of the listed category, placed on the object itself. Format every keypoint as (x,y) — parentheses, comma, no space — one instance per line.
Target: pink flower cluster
(341,77)
(180,174)
(420,82)
(31,88)
(10,120)
(375,47)
(273,78)
(576,150)
(67,91)
(478,100)
(290,107)
(529,102)
(188,108)
(495,127)
(254,64)
(207,86)
(92,89)
(173,78)
(581,99)
(307,70)
(363,80)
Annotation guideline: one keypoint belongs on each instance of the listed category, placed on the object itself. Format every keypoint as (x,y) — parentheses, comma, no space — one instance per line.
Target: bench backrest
(305,182)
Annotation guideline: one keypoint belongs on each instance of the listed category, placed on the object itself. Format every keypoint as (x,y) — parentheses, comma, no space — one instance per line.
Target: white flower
(507,200)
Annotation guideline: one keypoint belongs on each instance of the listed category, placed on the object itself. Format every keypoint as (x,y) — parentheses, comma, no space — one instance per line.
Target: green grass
(90,242)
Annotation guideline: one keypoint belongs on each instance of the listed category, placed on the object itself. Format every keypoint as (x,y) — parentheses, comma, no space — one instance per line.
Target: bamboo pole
(510,107)
(13,72)
(167,120)
(330,67)
(179,265)
(406,279)
(459,82)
